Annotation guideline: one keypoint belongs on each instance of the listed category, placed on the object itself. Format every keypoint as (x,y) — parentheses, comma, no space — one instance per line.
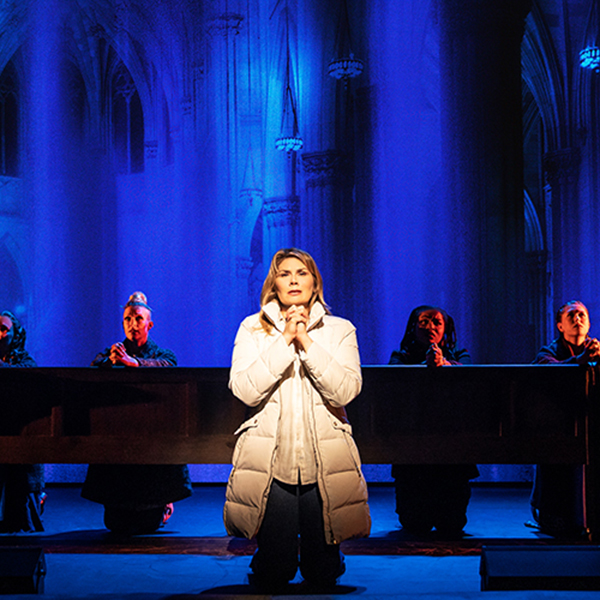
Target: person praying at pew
(296,469)
(432,496)
(137,499)
(557,494)
(22,494)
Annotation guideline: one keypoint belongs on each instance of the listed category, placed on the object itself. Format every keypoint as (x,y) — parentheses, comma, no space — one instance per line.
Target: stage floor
(193,557)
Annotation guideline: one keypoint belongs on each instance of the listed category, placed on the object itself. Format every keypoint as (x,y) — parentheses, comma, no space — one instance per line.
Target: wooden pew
(405,414)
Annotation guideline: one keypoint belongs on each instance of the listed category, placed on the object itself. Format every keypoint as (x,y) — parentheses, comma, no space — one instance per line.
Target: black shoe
(449,535)
(267,585)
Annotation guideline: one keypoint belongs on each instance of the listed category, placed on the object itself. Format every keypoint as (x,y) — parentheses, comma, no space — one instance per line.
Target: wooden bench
(413,415)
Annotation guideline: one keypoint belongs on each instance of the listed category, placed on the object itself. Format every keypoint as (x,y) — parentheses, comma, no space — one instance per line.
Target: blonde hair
(269,291)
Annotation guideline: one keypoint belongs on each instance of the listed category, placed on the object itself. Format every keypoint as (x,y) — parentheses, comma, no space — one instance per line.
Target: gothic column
(482,215)
(327,211)
(561,169)
(250,202)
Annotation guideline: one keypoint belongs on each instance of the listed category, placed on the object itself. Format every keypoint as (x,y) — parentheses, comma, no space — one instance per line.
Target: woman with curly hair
(432,496)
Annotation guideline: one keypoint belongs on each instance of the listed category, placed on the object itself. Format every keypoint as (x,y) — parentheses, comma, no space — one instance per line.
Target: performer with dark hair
(557,495)
(296,469)
(22,486)
(432,496)
(137,499)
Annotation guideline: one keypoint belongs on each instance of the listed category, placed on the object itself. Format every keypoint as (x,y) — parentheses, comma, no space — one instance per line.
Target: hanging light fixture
(589,57)
(289,139)
(345,66)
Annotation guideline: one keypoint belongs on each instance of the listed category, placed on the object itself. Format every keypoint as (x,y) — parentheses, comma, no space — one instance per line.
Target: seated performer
(137,499)
(557,495)
(432,496)
(21,486)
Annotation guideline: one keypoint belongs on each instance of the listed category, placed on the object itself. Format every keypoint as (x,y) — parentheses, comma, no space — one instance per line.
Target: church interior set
(441,152)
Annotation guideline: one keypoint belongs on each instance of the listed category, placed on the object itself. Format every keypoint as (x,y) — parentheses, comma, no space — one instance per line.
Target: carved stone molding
(281,211)
(186,106)
(225,24)
(324,168)
(151,149)
(561,167)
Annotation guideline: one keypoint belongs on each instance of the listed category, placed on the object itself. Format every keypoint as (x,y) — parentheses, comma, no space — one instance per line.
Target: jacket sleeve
(396,358)
(102,359)
(548,356)
(161,358)
(254,374)
(336,375)
(23,360)
(460,357)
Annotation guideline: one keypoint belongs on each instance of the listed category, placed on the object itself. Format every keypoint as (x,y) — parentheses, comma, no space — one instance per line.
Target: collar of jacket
(273,313)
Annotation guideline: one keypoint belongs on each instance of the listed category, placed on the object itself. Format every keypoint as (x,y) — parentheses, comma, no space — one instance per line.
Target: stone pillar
(482,214)
(561,169)
(250,202)
(328,212)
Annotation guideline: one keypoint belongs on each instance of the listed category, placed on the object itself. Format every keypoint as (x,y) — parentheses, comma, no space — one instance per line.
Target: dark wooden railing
(413,415)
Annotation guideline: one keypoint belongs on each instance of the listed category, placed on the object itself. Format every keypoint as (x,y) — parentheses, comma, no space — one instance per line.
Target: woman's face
(429,328)
(294,283)
(6,334)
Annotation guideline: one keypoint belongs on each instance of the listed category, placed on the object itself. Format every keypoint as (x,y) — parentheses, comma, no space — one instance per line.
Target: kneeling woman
(432,496)
(296,470)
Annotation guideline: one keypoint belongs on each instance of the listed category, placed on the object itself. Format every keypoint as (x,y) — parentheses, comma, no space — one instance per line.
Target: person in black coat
(557,494)
(137,499)
(432,496)
(21,486)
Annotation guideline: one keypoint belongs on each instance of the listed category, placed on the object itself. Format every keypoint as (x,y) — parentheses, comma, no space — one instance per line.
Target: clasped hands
(435,357)
(591,352)
(296,321)
(118,356)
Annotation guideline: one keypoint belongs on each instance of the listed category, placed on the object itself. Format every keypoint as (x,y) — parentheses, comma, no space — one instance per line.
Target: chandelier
(289,143)
(345,66)
(589,58)
(289,139)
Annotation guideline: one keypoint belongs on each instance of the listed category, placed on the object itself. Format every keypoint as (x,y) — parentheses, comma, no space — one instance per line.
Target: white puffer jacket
(261,376)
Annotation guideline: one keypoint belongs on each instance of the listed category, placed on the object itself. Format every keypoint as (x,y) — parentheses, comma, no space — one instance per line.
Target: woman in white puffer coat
(296,469)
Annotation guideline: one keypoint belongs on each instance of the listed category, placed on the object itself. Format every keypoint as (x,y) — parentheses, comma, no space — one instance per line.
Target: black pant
(20,493)
(433,496)
(292,511)
(558,497)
